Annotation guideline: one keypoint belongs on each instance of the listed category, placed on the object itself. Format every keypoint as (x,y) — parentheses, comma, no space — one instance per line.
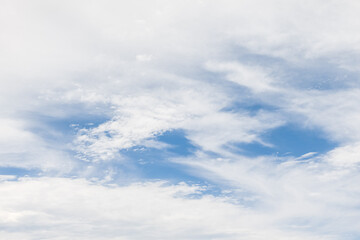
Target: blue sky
(179,120)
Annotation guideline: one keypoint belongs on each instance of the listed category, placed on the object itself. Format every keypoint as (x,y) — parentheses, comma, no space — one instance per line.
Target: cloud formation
(85,82)
(79,209)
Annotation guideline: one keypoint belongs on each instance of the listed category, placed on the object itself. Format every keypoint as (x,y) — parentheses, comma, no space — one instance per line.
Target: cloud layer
(85,84)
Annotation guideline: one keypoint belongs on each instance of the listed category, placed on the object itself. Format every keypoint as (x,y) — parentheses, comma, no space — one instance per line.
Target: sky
(221,120)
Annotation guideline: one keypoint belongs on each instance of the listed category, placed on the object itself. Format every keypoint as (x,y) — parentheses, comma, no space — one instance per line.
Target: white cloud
(143,57)
(140,118)
(88,53)
(317,195)
(345,156)
(140,65)
(21,148)
(254,78)
(77,209)
(334,111)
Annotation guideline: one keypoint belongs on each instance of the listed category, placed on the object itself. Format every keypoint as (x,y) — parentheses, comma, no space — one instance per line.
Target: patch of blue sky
(19,172)
(288,140)
(246,56)
(67,126)
(176,145)
(249,107)
(178,142)
(175,173)
(155,163)
(320,76)
(316,74)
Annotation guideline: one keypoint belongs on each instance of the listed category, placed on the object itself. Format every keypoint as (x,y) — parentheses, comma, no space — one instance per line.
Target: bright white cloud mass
(180,120)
